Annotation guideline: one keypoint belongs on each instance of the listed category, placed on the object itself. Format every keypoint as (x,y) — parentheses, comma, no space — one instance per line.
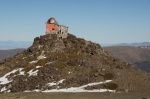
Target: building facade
(52,27)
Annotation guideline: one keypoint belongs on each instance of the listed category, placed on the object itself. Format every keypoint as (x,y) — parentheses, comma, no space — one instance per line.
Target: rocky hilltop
(54,64)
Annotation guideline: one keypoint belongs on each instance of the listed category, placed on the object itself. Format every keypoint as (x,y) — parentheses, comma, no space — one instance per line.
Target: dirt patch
(75,96)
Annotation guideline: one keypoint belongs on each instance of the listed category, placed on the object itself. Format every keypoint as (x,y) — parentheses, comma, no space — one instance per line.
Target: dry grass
(129,54)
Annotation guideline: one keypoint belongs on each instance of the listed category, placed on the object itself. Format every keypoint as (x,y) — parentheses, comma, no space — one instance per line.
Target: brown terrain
(78,62)
(9,53)
(33,95)
(137,56)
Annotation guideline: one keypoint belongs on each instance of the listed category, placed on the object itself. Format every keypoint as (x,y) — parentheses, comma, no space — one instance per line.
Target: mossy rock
(108,76)
(111,86)
(16,73)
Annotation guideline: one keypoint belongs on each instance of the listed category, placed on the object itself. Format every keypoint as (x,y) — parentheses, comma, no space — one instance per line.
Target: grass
(28,68)
(41,62)
(59,65)
(93,71)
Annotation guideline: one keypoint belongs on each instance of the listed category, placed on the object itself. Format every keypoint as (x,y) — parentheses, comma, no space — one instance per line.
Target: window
(53,29)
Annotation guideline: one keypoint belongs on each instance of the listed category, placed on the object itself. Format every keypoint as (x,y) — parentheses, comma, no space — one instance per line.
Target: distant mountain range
(128,44)
(135,44)
(14,44)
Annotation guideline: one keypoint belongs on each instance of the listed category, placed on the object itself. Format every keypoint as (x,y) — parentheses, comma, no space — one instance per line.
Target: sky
(100,21)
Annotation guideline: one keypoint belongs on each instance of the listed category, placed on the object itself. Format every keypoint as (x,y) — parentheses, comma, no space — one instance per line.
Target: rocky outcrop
(66,63)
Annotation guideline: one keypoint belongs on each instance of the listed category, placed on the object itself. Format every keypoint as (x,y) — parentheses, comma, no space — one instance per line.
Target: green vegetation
(93,71)
(59,65)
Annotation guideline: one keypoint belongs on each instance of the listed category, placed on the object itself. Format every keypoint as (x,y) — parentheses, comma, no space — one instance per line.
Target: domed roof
(52,21)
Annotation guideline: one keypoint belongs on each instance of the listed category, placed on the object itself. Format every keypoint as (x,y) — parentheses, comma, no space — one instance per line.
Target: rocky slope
(72,64)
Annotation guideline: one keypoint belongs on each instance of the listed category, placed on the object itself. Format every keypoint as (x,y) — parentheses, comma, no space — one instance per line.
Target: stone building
(52,27)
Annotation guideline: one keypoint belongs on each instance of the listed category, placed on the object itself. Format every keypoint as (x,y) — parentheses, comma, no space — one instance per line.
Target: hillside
(134,44)
(54,64)
(138,56)
(9,53)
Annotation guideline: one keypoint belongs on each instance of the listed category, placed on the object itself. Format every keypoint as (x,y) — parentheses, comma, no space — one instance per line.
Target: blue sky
(101,21)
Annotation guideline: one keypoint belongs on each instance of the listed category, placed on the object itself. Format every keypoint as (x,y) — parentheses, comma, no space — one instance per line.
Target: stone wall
(63,31)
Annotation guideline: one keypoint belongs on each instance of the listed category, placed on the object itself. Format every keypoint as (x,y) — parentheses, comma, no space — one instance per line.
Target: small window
(53,29)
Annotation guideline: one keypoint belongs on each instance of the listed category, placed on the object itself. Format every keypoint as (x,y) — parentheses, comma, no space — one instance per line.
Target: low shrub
(111,86)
